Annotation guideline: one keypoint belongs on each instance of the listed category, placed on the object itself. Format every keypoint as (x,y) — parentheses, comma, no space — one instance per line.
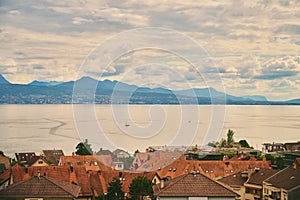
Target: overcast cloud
(255,45)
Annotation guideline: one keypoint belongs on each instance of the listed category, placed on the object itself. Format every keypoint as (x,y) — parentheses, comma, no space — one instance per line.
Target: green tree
(279,162)
(230,134)
(244,143)
(212,144)
(222,142)
(114,190)
(84,148)
(140,187)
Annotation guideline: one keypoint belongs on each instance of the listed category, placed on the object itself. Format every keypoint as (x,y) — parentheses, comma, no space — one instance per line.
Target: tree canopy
(140,187)
(84,148)
(114,190)
(244,143)
(230,134)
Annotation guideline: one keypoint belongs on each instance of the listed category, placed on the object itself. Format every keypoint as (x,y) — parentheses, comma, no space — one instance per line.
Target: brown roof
(287,178)
(77,175)
(53,156)
(41,187)
(4,176)
(24,157)
(91,179)
(259,175)
(153,160)
(234,180)
(5,160)
(95,162)
(194,185)
(211,168)
(127,177)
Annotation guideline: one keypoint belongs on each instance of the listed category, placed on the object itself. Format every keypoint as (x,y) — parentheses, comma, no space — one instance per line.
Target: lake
(25,128)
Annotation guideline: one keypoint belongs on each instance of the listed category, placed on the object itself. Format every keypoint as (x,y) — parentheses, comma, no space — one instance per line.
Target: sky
(248,47)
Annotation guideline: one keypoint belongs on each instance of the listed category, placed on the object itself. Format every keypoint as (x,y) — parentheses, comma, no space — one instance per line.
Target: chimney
(162,184)
(249,171)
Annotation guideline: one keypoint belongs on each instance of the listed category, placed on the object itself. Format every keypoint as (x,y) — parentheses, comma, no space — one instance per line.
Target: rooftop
(41,187)
(259,175)
(287,178)
(194,185)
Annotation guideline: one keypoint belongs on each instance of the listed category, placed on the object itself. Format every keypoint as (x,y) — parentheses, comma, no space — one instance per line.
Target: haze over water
(26,128)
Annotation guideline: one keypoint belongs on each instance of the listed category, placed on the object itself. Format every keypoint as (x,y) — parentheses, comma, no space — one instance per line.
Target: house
(254,185)
(93,182)
(152,161)
(284,184)
(119,153)
(192,186)
(4,162)
(24,158)
(236,182)
(53,156)
(41,186)
(292,146)
(118,165)
(77,175)
(38,161)
(92,162)
(272,147)
(104,152)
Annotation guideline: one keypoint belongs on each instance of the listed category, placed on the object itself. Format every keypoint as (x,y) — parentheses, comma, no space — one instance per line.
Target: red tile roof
(153,160)
(4,176)
(96,162)
(69,174)
(211,168)
(92,181)
(41,187)
(193,185)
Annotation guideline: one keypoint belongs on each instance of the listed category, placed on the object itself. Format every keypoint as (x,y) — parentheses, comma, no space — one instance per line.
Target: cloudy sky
(254,46)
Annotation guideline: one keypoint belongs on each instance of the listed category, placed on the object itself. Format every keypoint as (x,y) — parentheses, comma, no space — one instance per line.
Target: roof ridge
(175,181)
(52,180)
(221,184)
(276,173)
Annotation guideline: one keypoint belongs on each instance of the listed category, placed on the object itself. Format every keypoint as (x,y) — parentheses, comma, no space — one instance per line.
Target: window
(40,162)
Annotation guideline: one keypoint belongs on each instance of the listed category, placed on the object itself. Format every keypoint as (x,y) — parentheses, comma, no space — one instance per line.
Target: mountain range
(89,90)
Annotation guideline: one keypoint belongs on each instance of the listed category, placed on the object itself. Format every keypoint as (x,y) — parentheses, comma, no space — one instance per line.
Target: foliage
(115,190)
(84,148)
(222,142)
(230,134)
(244,143)
(140,187)
(279,162)
(212,144)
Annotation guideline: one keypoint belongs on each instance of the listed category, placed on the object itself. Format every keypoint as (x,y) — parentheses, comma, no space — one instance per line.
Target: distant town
(89,90)
(225,169)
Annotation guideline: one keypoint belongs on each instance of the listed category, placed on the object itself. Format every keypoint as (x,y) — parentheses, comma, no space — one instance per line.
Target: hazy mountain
(89,90)
(256,97)
(3,80)
(294,101)
(43,83)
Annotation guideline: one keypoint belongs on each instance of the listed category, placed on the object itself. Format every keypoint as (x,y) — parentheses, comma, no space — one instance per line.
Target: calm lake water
(37,127)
